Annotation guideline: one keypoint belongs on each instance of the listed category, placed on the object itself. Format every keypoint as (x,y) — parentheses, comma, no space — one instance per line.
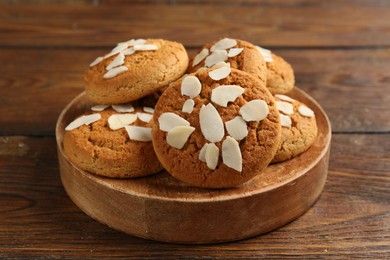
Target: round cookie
(134,69)
(248,60)
(299,128)
(112,153)
(216,133)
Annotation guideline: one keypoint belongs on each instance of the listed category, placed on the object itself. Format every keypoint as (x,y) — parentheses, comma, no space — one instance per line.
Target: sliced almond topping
(188,106)
(305,111)
(265,53)
(202,153)
(234,52)
(120,47)
(254,110)
(237,128)
(119,60)
(83,120)
(215,57)
(220,65)
(115,71)
(224,94)
(231,154)
(148,109)
(123,108)
(145,47)
(285,120)
(285,107)
(128,51)
(211,123)
(99,108)
(144,117)
(178,136)
(139,133)
(284,98)
(133,42)
(117,121)
(220,73)
(201,55)
(169,120)
(211,156)
(96,61)
(224,44)
(190,86)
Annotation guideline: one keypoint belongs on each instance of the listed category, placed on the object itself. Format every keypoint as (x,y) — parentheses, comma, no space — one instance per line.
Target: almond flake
(148,109)
(231,154)
(188,106)
(178,136)
(115,71)
(200,56)
(220,65)
(216,57)
(83,120)
(169,120)
(220,73)
(254,110)
(99,108)
(96,61)
(234,52)
(211,123)
(119,60)
(144,117)
(224,44)
(285,108)
(211,156)
(133,42)
(224,94)
(128,51)
(139,133)
(285,120)
(117,121)
(120,47)
(265,53)
(191,86)
(123,108)
(202,153)
(145,47)
(305,111)
(284,98)
(237,128)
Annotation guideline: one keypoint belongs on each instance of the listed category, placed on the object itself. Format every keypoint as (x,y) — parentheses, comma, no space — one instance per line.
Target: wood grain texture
(299,24)
(350,220)
(351,86)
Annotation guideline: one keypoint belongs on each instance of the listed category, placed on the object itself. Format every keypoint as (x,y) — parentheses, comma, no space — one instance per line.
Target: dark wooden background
(340,51)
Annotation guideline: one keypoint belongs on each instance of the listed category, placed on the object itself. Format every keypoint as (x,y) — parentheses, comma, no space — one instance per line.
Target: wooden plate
(162,208)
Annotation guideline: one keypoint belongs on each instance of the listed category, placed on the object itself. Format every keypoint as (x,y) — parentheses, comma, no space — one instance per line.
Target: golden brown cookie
(238,54)
(134,69)
(216,128)
(299,128)
(122,153)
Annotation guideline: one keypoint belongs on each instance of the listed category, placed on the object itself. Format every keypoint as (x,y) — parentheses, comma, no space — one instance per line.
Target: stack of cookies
(217,126)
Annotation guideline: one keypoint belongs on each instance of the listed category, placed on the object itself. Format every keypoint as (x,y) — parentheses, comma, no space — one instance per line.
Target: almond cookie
(134,69)
(299,128)
(216,128)
(280,75)
(113,142)
(234,53)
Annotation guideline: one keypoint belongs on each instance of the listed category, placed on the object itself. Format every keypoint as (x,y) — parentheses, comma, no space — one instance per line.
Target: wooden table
(341,56)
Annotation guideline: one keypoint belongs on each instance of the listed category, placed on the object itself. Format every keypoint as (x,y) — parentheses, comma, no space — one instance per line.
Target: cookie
(299,128)
(280,75)
(111,143)
(216,128)
(235,53)
(134,69)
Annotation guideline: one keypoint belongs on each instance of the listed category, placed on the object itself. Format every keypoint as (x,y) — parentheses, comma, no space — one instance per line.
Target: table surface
(340,51)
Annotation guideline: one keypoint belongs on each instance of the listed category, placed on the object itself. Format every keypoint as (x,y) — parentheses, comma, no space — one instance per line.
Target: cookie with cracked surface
(216,133)
(98,149)
(239,54)
(134,69)
(280,75)
(299,128)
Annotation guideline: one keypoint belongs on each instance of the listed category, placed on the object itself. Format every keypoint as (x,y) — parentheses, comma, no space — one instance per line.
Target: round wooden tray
(162,208)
